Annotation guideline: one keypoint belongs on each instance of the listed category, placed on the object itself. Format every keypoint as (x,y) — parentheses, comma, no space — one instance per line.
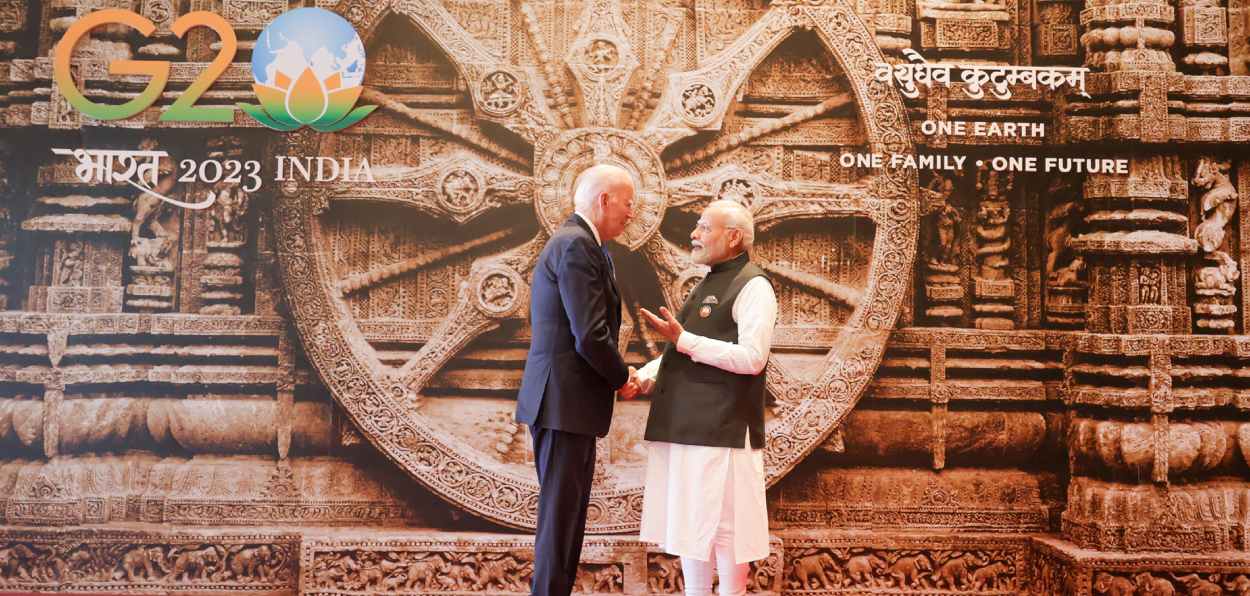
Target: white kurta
(686,484)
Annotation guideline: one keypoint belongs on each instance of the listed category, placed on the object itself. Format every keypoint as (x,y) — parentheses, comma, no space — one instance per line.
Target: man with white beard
(704,498)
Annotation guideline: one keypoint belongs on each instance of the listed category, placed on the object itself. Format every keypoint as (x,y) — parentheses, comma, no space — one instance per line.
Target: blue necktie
(611,265)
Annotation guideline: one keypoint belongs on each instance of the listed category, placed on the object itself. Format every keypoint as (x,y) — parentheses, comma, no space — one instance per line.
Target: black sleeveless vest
(699,404)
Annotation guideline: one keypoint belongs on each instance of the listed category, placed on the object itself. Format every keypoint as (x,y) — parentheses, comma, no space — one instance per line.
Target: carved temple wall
(982,382)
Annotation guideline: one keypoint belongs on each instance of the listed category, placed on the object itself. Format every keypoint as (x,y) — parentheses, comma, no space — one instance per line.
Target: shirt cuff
(685,342)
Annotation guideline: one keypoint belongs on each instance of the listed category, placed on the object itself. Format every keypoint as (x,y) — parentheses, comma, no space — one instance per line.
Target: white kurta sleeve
(650,369)
(755,312)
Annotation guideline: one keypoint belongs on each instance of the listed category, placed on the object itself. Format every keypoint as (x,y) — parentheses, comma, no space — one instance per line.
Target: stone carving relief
(114,563)
(995,289)
(1059,375)
(369,571)
(222,291)
(837,570)
(1064,270)
(154,237)
(1215,282)
(943,286)
(506,206)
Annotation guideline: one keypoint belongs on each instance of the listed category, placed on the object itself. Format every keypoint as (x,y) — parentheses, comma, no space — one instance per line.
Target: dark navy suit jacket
(574,365)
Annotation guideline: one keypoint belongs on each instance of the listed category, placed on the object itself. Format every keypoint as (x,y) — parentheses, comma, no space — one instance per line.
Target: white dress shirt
(686,484)
(593,229)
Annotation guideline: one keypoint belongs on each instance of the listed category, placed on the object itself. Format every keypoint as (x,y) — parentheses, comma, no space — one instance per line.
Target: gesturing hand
(668,326)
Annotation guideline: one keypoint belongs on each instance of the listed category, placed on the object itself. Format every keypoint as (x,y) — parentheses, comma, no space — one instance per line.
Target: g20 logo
(307,67)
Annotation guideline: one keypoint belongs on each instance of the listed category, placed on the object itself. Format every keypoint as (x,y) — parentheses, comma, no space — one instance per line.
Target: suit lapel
(603,259)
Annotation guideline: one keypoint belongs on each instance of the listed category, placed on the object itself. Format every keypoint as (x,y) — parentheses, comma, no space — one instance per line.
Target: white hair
(594,181)
(737,217)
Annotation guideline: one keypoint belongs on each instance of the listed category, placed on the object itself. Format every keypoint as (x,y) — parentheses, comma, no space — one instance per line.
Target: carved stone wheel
(410,294)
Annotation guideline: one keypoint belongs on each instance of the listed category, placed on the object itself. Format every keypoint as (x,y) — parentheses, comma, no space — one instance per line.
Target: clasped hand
(635,386)
(671,330)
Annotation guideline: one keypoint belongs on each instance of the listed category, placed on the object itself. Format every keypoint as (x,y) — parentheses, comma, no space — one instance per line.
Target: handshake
(635,386)
(668,327)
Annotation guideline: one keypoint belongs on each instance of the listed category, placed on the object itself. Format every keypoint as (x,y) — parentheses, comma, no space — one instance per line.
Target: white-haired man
(573,367)
(704,497)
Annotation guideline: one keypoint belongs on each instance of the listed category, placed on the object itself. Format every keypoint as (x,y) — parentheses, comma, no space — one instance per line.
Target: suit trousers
(566,467)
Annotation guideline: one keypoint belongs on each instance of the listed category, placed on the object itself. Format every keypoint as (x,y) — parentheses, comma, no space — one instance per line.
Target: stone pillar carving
(222,291)
(1063,270)
(79,238)
(891,23)
(1215,281)
(967,28)
(1135,258)
(1128,35)
(1238,37)
(154,236)
(943,288)
(995,290)
(1055,32)
(1204,37)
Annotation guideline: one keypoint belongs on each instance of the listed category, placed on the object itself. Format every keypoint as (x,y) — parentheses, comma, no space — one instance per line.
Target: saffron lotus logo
(308,65)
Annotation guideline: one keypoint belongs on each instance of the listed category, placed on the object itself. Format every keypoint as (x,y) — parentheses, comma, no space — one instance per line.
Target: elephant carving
(1238,585)
(603,579)
(990,576)
(197,564)
(813,567)
(1198,586)
(143,563)
(906,571)
(422,574)
(253,563)
(954,574)
(862,569)
(1149,585)
(499,571)
(1111,585)
(666,578)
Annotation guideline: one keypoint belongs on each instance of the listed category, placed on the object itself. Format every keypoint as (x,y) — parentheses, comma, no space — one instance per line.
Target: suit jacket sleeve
(582,286)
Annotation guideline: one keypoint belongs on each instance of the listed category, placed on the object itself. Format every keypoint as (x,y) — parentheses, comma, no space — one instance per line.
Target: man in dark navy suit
(573,367)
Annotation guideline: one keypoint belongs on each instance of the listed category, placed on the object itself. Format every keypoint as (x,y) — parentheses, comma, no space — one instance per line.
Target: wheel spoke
(643,97)
(795,118)
(494,291)
(501,92)
(558,98)
(773,201)
(470,136)
(698,99)
(815,284)
(459,187)
(602,60)
(373,277)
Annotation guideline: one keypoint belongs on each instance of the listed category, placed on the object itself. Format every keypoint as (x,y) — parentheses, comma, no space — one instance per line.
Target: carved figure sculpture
(990,576)
(813,567)
(1218,204)
(1112,585)
(906,571)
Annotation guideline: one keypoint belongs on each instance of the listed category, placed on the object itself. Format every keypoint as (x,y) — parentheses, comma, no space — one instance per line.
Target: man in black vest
(573,367)
(704,496)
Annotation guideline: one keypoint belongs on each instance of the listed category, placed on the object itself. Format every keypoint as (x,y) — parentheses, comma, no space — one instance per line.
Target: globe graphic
(312,38)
